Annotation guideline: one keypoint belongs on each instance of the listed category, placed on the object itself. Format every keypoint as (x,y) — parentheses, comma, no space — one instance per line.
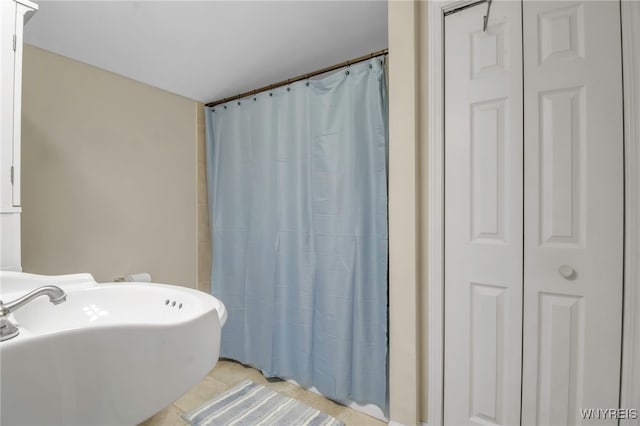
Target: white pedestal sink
(112,354)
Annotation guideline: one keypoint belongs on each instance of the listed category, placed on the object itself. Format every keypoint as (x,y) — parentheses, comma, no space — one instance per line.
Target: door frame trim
(630,388)
(435,210)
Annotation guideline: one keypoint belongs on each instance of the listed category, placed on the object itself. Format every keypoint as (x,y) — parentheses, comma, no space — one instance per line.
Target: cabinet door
(21,11)
(483,216)
(7,64)
(573,210)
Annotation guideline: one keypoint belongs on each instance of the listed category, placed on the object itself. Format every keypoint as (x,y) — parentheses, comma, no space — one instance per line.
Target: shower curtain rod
(301,77)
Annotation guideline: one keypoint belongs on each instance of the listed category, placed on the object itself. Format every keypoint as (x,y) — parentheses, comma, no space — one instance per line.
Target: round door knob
(567,272)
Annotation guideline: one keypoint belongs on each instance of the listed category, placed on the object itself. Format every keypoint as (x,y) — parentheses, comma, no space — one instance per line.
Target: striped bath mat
(251,404)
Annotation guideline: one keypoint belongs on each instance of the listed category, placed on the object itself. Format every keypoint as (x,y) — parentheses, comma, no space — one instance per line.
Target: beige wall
(407,254)
(204,232)
(109,174)
(403,219)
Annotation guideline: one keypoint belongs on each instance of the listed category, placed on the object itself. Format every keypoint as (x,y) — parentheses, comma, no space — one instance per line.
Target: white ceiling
(207,50)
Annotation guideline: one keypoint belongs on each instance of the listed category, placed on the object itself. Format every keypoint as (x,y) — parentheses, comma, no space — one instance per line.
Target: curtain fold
(297,181)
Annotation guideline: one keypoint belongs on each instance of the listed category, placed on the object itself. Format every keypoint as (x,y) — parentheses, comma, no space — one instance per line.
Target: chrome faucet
(7,329)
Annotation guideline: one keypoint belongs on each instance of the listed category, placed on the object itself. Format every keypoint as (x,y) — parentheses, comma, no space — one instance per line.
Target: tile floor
(228,373)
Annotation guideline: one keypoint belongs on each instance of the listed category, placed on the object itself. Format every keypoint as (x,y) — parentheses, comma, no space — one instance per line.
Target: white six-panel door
(483,216)
(573,210)
(533,295)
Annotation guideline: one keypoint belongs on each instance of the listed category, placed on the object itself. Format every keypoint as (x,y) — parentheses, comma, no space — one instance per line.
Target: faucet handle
(7,329)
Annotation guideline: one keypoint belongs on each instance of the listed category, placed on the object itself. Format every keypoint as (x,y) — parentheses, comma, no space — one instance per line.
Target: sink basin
(115,305)
(112,354)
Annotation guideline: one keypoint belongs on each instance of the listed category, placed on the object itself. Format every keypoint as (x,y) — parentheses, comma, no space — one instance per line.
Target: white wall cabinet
(13,16)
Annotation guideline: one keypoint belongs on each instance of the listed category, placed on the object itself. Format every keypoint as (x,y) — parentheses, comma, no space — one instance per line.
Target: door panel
(561,119)
(573,210)
(483,216)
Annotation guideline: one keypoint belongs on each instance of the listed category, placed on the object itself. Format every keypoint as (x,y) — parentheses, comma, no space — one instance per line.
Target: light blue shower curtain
(297,184)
